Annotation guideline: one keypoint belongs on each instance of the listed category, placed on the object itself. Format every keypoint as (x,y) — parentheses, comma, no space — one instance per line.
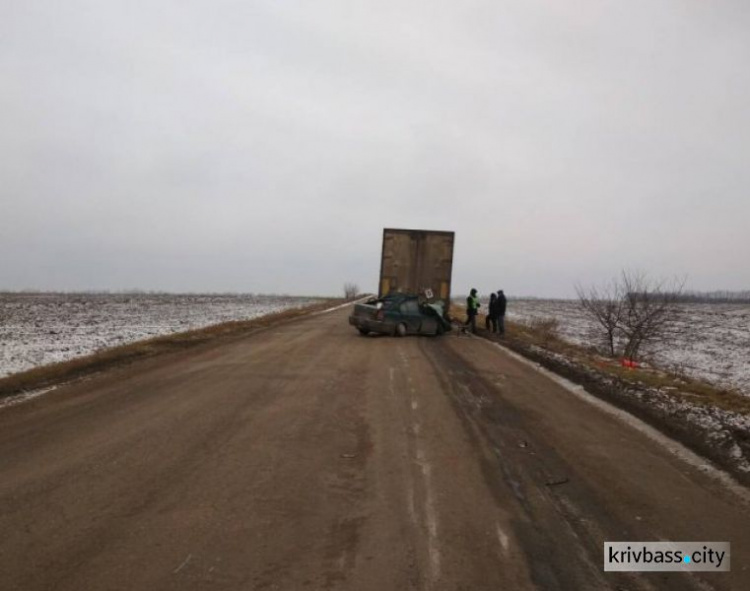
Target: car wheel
(439,330)
(401,330)
(363,331)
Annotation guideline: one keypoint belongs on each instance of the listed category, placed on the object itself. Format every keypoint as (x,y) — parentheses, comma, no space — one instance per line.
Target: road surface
(309,457)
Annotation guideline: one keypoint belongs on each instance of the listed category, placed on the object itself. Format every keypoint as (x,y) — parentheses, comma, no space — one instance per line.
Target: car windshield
(388,303)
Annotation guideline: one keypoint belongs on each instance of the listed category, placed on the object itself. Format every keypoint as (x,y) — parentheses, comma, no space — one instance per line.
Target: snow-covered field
(37,329)
(710,341)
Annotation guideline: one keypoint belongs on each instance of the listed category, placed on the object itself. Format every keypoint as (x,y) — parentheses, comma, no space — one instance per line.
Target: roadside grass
(56,373)
(522,338)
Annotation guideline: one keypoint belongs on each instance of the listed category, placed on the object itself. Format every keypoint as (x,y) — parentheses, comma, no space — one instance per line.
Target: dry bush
(351,290)
(547,329)
(605,306)
(633,309)
(650,310)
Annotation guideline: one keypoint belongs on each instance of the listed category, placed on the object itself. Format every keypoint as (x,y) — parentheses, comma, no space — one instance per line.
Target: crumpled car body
(399,315)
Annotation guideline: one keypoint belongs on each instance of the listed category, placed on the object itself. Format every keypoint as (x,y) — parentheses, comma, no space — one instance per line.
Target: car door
(411,316)
(430,322)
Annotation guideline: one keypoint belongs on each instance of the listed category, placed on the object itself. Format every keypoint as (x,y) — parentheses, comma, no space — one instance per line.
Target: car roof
(399,296)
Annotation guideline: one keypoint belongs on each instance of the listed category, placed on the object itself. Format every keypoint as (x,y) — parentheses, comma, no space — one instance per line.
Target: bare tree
(605,306)
(350,290)
(634,309)
(650,310)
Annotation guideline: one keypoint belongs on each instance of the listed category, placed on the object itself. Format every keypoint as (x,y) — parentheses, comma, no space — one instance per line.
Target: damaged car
(399,315)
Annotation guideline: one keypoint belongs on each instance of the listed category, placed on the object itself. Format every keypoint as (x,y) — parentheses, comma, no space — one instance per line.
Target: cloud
(263,146)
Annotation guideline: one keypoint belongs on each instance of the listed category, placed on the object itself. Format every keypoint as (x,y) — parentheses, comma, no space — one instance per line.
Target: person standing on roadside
(501,303)
(472,308)
(490,322)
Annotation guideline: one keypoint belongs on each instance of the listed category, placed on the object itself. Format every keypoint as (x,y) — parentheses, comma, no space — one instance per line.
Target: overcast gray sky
(218,145)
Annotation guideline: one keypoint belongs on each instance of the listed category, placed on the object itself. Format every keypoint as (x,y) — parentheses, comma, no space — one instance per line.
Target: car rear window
(388,303)
(410,307)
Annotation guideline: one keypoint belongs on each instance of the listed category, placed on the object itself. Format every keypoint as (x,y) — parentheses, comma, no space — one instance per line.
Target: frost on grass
(38,329)
(710,342)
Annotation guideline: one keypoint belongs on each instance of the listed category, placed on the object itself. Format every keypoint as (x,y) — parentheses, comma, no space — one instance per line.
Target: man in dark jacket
(490,322)
(472,308)
(501,303)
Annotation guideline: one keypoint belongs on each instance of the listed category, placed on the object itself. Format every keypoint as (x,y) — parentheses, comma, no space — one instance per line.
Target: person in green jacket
(472,308)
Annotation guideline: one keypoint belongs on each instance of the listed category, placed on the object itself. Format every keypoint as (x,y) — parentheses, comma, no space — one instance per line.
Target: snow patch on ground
(39,329)
(710,342)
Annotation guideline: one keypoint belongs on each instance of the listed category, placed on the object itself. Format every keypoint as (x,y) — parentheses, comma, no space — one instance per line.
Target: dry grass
(521,337)
(56,373)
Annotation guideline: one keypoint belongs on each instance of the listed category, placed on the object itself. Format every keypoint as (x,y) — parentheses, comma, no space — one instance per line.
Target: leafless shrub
(605,306)
(351,290)
(639,310)
(650,310)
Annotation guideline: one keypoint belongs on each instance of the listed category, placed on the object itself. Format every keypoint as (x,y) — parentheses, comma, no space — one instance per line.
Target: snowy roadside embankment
(712,419)
(709,342)
(44,328)
(716,432)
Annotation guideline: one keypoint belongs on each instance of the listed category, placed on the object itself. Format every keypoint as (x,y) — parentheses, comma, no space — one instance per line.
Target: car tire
(439,331)
(363,331)
(401,330)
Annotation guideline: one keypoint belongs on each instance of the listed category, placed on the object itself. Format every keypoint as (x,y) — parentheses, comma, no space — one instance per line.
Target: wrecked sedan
(399,315)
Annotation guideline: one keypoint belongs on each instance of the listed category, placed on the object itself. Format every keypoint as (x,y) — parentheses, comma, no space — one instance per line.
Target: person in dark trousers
(472,307)
(490,322)
(501,303)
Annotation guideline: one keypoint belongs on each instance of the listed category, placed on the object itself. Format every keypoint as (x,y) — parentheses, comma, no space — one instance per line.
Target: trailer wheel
(401,330)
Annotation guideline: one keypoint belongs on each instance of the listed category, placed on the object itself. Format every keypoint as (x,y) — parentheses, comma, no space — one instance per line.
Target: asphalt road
(309,457)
